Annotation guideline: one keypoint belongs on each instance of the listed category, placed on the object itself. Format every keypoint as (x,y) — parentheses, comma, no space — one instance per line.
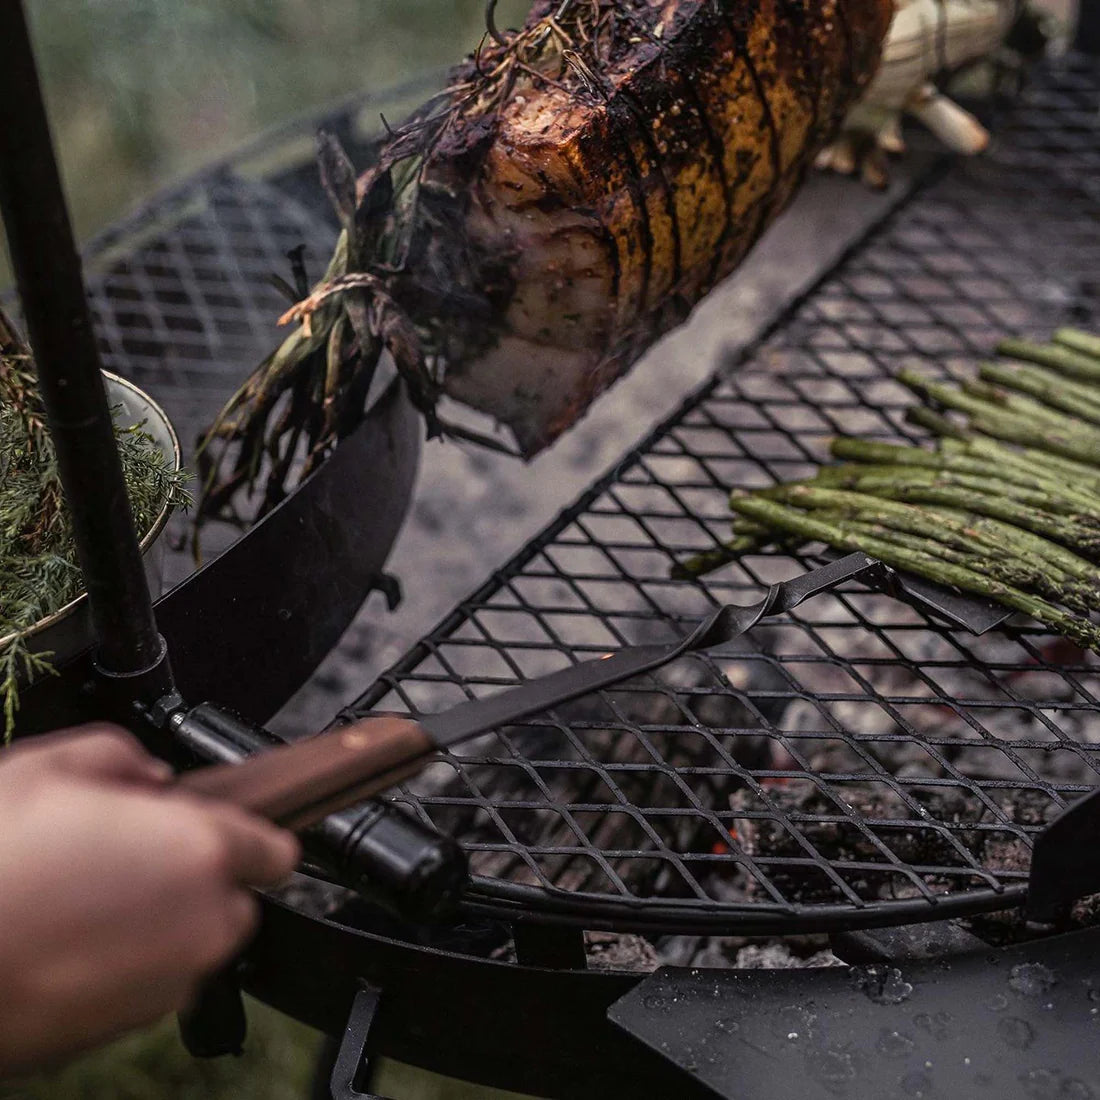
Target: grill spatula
(298,784)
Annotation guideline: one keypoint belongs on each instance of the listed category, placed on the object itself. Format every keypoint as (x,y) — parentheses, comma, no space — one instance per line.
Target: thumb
(97,751)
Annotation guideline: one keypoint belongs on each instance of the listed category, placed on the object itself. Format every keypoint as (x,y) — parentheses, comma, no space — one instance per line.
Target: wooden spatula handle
(298,783)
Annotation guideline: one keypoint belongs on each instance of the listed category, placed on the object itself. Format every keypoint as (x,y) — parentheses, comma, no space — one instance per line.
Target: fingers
(98,751)
(255,852)
(242,917)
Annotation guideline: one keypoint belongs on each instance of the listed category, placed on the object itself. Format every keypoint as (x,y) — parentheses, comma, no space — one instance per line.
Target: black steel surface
(1065,864)
(250,628)
(874,765)
(1020,1022)
(972,613)
(254,624)
(538,1031)
(350,1068)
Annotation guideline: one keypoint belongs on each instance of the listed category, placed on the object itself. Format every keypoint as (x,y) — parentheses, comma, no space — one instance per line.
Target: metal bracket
(1065,861)
(215,1024)
(390,587)
(351,1066)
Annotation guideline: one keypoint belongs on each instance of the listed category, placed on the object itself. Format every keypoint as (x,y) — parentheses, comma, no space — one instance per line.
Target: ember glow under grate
(855,763)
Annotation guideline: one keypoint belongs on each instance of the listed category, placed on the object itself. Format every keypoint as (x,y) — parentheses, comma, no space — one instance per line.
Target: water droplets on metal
(893,1044)
(1032,979)
(917,1084)
(1052,1084)
(934,1025)
(883,985)
(834,1066)
(1016,1033)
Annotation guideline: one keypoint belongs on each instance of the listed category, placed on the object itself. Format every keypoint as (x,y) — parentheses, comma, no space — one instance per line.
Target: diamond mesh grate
(855,762)
(182,299)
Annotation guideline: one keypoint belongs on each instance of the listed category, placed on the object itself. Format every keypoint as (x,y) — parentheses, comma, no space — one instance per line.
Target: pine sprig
(39,573)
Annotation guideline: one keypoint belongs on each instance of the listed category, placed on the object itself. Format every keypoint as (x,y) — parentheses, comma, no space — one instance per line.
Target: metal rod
(1088,27)
(48,273)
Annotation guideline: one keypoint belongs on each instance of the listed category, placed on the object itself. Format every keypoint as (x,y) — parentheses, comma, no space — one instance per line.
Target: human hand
(117,896)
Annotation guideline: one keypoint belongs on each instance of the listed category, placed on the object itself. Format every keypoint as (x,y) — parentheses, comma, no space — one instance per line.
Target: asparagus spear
(972,533)
(881,481)
(1060,528)
(936,423)
(1015,403)
(1075,438)
(1058,357)
(1071,445)
(700,564)
(1047,387)
(996,463)
(776,515)
(1012,571)
(1083,342)
(1041,463)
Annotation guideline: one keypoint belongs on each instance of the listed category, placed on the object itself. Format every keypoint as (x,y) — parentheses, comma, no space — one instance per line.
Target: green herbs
(1006,505)
(38,570)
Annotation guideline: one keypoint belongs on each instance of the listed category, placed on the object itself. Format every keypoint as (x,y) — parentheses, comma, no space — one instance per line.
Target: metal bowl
(68,631)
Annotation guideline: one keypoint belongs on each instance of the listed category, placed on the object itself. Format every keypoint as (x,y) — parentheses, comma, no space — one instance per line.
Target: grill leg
(351,1059)
(215,1024)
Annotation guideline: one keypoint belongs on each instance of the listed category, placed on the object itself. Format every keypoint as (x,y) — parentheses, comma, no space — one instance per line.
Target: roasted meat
(579,186)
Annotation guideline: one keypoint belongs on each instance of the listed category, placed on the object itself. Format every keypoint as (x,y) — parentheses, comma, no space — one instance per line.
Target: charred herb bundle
(38,569)
(1007,505)
(578,186)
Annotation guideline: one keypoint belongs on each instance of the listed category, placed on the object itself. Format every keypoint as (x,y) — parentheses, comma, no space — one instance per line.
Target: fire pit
(812,796)
(859,764)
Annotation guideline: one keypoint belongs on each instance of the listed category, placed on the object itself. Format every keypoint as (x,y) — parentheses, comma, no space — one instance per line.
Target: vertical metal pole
(49,277)
(1088,26)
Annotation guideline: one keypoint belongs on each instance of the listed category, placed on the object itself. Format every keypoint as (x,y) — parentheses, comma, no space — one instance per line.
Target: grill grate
(182,298)
(856,762)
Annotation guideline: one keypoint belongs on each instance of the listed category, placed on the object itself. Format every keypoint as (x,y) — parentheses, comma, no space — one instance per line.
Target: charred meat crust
(593,207)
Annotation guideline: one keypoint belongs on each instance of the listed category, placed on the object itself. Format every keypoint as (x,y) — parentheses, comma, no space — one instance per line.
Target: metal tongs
(297,785)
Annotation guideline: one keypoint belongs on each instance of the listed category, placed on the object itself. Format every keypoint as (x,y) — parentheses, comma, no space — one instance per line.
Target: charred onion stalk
(578,186)
(1007,506)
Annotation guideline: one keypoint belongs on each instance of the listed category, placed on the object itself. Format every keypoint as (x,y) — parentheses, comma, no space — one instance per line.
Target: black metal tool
(1065,861)
(974,613)
(299,784)
(51,287)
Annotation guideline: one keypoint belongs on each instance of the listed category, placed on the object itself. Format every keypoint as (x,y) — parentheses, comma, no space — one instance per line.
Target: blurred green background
(141,93)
